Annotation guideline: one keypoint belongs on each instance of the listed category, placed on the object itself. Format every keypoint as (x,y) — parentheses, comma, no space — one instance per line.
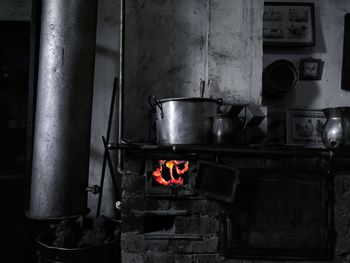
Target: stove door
(279,215)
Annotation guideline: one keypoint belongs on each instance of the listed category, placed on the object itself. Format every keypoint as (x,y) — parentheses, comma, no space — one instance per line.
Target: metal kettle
(227,129)
(336,131)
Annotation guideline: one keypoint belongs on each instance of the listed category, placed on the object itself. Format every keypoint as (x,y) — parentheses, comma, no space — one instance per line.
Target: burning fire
(157,173)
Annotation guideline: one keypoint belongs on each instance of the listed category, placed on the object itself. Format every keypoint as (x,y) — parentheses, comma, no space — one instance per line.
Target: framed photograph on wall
(305,127)
(310,69)
(288,24)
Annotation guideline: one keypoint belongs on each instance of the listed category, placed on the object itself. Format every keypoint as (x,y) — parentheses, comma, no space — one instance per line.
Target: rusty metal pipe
(64,105)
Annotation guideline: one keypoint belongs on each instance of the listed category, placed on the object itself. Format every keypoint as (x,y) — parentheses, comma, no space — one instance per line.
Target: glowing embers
(171,173)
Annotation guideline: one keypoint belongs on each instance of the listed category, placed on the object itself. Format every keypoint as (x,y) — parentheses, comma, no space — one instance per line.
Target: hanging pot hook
(219,101)
(154,103)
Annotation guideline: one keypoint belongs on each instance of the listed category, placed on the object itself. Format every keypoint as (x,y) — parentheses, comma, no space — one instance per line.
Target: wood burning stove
(276,213)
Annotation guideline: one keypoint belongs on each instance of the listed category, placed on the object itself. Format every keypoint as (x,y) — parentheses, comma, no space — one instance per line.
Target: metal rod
(110,165)
(99,202)
(109,126)
(240,152)
(111,110)
(121,85)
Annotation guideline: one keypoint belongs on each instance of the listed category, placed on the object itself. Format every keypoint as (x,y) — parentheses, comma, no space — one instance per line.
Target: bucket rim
(46,246)
(48,218)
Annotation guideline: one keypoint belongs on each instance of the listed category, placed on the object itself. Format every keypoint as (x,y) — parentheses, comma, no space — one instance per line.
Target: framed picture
(305,127)
(288,24)
(310,69)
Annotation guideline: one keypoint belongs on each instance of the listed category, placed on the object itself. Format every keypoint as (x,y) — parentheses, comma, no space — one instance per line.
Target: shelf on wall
(249,151)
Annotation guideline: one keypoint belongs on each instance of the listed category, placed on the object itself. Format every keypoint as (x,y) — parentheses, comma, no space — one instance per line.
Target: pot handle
(153,102)
(219,101)
(244,122)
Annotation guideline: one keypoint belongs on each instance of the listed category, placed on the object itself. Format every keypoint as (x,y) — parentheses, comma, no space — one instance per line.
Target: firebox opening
(159,224)
(170,173)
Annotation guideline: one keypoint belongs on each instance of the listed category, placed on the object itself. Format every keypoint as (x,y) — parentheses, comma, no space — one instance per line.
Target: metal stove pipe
(63,113)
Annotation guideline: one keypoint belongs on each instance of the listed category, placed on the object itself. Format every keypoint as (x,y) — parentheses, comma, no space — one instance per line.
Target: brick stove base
(185,229)
(192,234)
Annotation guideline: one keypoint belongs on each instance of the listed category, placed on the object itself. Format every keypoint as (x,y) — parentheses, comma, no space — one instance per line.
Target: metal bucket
(184,120)
(104,253)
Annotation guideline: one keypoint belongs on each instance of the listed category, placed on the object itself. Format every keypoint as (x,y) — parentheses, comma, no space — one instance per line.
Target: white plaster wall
(17,10)
(329,16)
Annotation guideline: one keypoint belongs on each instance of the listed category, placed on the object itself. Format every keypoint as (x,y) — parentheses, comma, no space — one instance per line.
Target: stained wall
(170,46)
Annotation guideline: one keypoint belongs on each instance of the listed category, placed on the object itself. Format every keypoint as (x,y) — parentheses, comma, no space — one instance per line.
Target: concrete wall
(15,9)
(172,45)
(329,16)
(165,56)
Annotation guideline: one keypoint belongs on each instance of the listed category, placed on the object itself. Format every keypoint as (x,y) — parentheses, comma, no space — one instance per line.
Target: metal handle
(219,101)
(244,122)
(94,189)
(152,100)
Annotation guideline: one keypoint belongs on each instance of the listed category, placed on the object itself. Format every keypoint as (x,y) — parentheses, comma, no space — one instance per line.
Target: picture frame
(305,127)
(310,69)
(288,24)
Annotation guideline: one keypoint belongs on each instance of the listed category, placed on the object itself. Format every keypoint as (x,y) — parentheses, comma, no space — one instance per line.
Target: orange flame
(157,173)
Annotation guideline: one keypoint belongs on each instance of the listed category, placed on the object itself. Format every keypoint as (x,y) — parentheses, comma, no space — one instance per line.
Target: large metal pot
(184,120)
